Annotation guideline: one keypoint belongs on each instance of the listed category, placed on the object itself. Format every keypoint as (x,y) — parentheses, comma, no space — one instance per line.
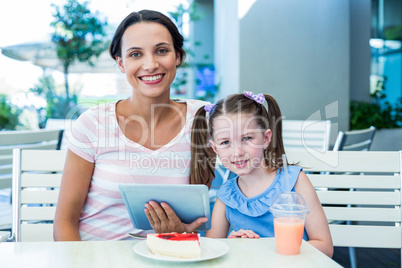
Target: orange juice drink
(289,210)
(288,235)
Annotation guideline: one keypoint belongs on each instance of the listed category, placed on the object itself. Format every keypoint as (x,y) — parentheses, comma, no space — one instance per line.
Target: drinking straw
(285,168)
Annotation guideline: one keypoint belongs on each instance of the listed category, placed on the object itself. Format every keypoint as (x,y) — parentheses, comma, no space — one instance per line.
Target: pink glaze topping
(178,236)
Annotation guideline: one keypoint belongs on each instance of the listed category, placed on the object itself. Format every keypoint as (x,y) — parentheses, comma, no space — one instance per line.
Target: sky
(24,21)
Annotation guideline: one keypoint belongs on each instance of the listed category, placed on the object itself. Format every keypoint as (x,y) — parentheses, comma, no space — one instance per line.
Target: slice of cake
(175,244)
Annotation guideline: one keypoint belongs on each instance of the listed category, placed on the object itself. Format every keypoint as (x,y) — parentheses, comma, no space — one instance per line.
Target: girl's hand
(164,220)
(243,234)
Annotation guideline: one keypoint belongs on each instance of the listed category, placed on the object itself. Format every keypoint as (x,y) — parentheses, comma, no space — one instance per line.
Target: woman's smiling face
(148,58)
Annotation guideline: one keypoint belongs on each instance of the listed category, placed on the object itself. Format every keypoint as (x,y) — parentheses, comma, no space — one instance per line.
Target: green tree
(78,34)
(55,102)
(8,114)
(378,113)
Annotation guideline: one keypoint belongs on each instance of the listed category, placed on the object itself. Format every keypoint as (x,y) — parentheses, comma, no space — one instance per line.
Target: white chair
(36,179)
(23,139)
(4,236)
(376,206)
(301,134)
(355,140)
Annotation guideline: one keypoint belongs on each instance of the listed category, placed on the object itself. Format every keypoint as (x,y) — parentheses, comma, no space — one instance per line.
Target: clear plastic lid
(290,203)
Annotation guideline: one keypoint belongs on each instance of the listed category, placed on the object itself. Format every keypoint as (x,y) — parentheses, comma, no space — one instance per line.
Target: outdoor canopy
(43,54)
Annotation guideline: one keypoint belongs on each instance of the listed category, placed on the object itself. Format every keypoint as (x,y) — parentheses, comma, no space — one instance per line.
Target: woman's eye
(247,138)
(135,54)
(162,51)
(225,143)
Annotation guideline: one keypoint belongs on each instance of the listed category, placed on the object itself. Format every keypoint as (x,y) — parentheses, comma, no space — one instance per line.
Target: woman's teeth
(151,78)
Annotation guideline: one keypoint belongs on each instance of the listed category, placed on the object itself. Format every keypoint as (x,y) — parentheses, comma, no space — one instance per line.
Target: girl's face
(240,142)
(148,58)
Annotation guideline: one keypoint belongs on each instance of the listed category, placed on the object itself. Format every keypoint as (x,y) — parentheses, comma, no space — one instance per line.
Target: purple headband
(209,108)
(257,98)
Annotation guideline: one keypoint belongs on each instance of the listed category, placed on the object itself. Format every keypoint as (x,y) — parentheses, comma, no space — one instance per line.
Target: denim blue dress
(253,213)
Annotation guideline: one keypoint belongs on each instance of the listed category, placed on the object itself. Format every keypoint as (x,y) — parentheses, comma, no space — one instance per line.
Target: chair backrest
(36,181)
(355,140)
(299,134)
(375,203)
(24,139)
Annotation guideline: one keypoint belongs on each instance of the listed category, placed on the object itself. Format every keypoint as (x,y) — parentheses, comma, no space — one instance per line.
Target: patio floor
(368,257)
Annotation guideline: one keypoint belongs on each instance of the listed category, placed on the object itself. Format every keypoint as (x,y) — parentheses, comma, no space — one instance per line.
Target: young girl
(247,137)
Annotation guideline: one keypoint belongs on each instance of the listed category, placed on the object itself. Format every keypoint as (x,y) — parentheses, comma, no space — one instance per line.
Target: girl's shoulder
(287,182)
(231,195)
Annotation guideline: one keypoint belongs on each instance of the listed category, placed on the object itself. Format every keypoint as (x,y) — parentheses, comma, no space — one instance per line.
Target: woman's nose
(150,63)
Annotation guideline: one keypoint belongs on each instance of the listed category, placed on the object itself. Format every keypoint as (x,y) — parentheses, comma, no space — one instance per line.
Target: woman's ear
(268,136)
(178,59)
(119,61)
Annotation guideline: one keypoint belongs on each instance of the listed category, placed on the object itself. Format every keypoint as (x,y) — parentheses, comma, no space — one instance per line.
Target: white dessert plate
(210,249)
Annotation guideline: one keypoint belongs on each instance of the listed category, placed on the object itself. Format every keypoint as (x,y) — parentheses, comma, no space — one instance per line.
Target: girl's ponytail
(273,153)
(202,155)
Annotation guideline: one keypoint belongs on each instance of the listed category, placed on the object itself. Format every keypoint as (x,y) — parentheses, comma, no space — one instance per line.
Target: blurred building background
(313,56)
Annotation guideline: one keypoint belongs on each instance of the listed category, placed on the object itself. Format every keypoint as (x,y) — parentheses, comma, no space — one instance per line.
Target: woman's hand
(243,234)
(164,220)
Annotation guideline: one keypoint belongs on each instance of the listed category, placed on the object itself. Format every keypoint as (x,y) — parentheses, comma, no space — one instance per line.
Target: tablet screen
(189,202)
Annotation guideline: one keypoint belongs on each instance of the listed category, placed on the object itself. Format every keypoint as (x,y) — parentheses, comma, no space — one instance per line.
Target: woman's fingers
(149,217)
(192,227)
(170,214)
(159,211)
(153,216)
(162,218)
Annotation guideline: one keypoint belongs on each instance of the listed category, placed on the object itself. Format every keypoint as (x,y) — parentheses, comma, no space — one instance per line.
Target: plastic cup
(289,210)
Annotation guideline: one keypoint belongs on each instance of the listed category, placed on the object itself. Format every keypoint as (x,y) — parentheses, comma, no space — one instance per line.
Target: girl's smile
(240,164)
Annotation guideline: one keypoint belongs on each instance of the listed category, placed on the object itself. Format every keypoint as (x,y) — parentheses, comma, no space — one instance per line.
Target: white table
(242,253)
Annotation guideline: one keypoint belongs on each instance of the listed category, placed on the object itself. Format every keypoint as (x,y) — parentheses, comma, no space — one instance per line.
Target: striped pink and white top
(97,138)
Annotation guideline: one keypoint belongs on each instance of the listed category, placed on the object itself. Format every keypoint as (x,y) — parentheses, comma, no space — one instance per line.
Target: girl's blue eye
(225,143)
(247,138)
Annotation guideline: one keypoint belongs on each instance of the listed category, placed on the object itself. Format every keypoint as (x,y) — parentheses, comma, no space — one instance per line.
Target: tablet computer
(189,202)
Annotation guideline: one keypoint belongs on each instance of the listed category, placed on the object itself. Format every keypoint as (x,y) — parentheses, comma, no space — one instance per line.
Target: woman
(142,139)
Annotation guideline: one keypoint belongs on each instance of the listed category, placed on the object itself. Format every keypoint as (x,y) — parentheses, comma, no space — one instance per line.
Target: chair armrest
(4,236)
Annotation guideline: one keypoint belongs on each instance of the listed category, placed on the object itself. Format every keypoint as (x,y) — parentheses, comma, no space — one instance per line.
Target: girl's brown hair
(202,164)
